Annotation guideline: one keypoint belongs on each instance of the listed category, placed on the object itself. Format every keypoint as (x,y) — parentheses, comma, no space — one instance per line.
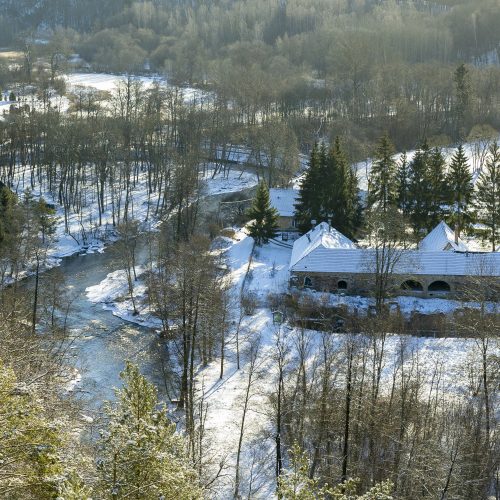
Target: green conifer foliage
(461,191)
(329,191)
(141,456)
(437,194)
(308,207)
(264,223)
(488,195)
(426,189)
(403,183)
(30,465)
(383,177)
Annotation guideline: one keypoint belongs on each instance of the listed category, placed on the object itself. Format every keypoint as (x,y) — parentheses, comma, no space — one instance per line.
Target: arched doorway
(308,282)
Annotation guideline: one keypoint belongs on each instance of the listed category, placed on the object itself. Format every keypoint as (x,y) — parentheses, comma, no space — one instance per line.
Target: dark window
(412,285)
(308,282)
(439,286)
(342,285)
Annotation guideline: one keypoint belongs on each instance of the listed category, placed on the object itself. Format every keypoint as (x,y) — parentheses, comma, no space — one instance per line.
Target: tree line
(318,67)
(423,190)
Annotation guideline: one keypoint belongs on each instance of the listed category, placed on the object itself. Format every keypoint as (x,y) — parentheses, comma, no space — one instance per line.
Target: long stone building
(326,260)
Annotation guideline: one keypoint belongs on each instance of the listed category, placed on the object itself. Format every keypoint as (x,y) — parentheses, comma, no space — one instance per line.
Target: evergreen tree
(45,216)
(9,218)
(383,180)
(264,223)
(347,219)
(403,184)
(437,193)
(488,195)
(308,206)
(141,455)
(295,484)
(30,466)
(462,101)
(461,190)
(330,191)
(419,190)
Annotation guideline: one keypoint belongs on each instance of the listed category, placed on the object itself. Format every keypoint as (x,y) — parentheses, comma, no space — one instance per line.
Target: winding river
(102,342)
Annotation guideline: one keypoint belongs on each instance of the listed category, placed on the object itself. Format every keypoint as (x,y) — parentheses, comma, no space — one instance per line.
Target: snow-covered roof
(442,237)
(411,262)
(321,237)
(283,200)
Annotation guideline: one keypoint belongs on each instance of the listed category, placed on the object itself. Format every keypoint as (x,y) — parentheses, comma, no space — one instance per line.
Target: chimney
(457,235)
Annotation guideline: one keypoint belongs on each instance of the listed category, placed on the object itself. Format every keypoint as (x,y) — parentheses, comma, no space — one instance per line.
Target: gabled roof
(322,236)
(410,263)
(442,238)
(284,200)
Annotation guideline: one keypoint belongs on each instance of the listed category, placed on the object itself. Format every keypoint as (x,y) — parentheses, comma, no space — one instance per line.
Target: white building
(326,260)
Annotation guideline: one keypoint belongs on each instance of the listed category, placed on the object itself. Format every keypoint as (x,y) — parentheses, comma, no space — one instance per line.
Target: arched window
(308,282)
(342,285)
(412,285)
(439,286)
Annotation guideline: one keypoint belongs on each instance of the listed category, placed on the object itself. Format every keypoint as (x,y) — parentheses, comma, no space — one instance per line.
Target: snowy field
(233,181)
(83,232)
(434,359)
(108,83)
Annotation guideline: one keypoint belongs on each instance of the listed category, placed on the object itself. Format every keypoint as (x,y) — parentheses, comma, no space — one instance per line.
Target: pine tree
(9,219)
(461,190)
(308,206)
(295,484)
(437,193)
(403,184)
(141,455)
(330,191)
(30,466)
(419,190)
(383,176)
(462,101)
(350,192)
(488,195)
(264,223)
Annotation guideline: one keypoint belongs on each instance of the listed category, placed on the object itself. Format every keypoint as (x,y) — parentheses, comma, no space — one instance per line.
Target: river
(102,342)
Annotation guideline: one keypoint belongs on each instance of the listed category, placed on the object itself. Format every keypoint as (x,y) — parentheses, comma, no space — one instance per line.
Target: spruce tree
(141,456)
(419,190)
(353,209)
(264,223)
(437,194)
(461,190)
(309,201)
(462,101)
(330,191)
(383,176)
(488,195)
(403,184)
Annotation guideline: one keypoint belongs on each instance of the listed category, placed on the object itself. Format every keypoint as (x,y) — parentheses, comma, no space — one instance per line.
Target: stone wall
(417,286)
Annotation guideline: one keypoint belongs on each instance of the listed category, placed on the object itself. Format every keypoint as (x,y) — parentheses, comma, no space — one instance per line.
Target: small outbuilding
(284,200)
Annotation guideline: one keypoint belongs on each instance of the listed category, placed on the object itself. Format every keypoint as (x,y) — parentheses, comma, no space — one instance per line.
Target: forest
(323,68)
(137,235)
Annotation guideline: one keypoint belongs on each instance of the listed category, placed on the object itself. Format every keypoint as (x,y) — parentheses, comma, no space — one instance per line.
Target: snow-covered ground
(83,232)
(108,82)
(231,182)
(473,151)
(407,305)
(113,293)
(434,359)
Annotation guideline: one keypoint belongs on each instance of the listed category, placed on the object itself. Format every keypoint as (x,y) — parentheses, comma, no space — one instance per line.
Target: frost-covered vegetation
(259,391)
